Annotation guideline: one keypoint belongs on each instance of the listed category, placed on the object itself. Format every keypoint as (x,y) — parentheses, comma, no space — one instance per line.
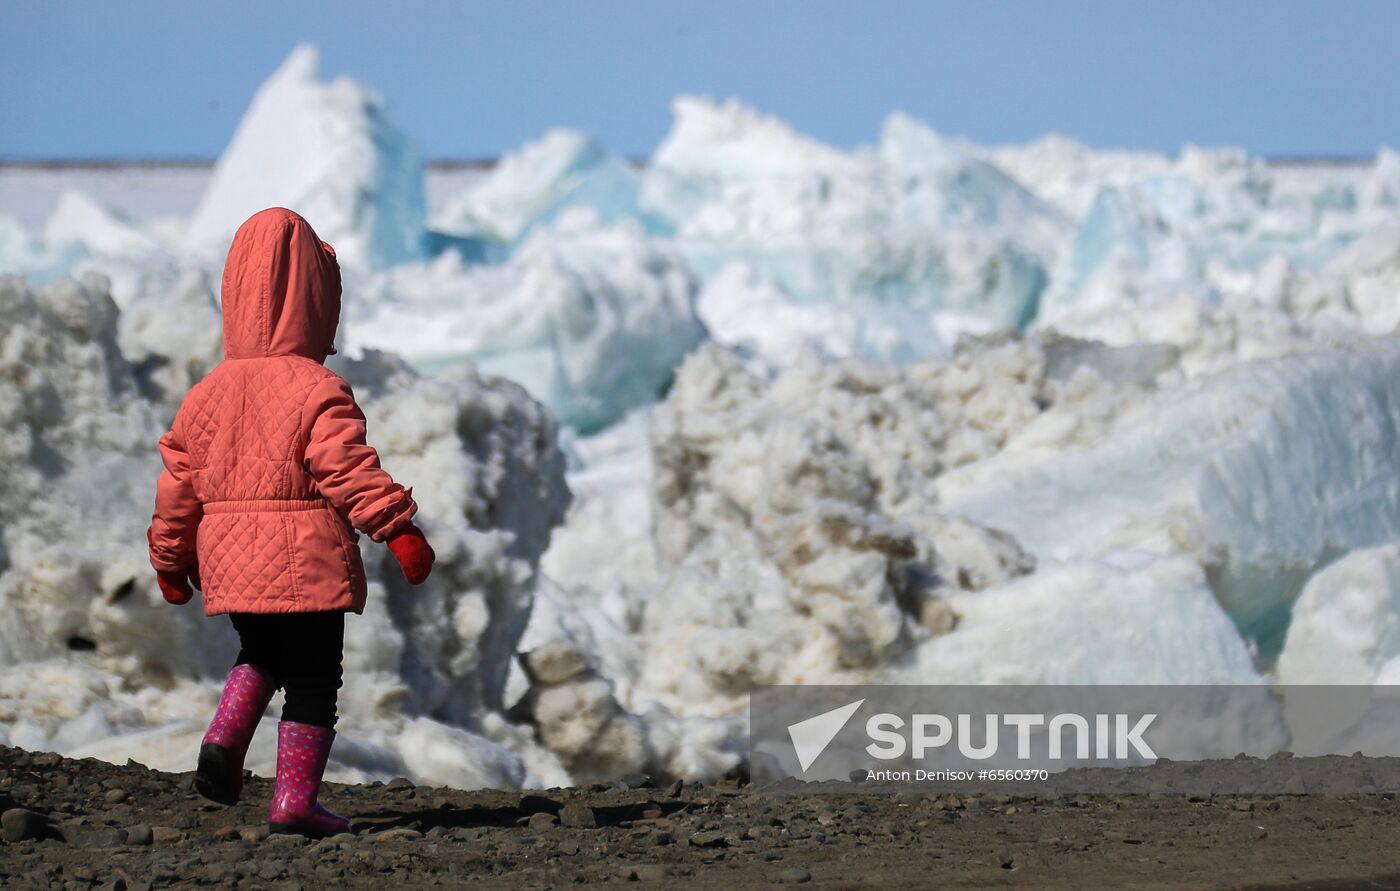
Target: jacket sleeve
(178,510)
(346,468)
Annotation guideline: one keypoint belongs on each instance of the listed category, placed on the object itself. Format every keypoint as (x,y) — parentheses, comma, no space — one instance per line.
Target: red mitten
(414,554)
(178,587)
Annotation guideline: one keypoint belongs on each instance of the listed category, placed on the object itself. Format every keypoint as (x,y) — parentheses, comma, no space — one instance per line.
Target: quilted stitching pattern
(244,430)
(271,537)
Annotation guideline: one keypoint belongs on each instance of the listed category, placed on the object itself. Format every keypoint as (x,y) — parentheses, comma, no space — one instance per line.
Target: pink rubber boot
(302,750)
(247,692)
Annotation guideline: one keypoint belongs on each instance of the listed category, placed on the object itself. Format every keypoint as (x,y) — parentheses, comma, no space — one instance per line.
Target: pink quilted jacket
(266,465)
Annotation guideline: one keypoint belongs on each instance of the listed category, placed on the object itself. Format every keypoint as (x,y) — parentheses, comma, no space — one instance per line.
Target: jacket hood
(281,289)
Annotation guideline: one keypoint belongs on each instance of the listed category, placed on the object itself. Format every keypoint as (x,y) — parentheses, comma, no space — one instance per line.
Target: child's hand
(414,554)
(178,587)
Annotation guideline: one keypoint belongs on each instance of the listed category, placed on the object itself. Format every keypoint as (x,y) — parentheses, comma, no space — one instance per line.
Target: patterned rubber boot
(302,751)
(219,776)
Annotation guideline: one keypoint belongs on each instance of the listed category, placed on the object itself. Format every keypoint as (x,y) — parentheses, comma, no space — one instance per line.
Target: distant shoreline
(450,164)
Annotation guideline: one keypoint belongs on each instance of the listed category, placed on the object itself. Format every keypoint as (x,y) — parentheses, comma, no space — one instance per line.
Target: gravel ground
(85,824)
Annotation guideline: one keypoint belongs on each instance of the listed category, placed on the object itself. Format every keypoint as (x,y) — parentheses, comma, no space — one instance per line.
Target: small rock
(165,835)
(185,822)
(674,790)
(116,796)
(403,833)
(578,816)
(399,783)
(226,833)
(542,820)
(709,840)
(19,824)
(794,875)
(117,884)
(636,781)
(140,834)
(288,839)
(253,834)
(1243,805)
(645,872)
(99,838)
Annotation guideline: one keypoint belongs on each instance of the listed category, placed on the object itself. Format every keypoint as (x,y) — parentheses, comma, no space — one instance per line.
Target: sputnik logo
(811,737)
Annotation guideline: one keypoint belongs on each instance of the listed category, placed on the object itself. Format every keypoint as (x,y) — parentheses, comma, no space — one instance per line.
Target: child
(266,471)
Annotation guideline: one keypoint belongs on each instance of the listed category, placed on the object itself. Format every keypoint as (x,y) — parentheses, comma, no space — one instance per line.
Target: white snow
(591,319)
(1345,627)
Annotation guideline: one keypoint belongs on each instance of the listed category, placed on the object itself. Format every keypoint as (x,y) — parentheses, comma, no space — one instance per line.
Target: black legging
(302,652)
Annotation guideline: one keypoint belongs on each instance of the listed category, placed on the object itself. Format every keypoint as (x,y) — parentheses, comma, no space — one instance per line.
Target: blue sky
(140,78)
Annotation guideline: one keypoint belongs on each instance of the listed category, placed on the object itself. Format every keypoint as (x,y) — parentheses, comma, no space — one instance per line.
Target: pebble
(185,822)
(709,840)
(116,796)
(253,834)
(290,839)
(542,820)
(19,824)
(661,838)
(140,834)
(795,875)
(165,834)
(401,834)
(674,790)
(636,781)
(577,816)
(99,838)
(226,833)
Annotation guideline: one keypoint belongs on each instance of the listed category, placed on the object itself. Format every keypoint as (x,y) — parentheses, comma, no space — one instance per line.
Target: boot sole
(214,777)
(298,829)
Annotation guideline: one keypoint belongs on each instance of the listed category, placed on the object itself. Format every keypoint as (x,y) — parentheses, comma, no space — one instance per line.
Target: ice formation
(590,318)
(329,151)
(1346,624)
(758,410)
(897,224)
(563,169)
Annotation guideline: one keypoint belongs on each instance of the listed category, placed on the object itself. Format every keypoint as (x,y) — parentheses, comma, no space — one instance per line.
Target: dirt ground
(87,824)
